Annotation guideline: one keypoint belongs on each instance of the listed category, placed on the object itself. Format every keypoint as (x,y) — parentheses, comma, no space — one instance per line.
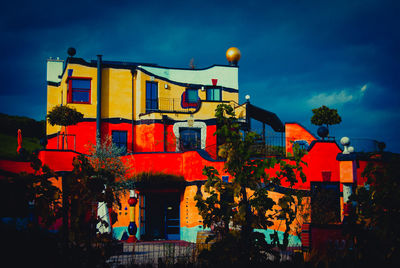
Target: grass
(9,144)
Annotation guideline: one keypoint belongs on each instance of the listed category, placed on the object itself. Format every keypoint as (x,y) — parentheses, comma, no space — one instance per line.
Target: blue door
(172,215)
(162,216)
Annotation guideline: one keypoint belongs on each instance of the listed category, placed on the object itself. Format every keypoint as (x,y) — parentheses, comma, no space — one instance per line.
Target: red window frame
(69,92)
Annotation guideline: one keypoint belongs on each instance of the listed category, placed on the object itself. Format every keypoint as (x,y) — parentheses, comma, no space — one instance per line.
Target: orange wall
(294,132)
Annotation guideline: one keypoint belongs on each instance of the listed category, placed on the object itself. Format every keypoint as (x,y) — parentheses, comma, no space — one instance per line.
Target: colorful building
(164,121)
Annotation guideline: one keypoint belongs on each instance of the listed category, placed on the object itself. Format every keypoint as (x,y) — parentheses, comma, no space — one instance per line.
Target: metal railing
(170,105)
(273,145)
(155,254)
(175,254)
(64,141)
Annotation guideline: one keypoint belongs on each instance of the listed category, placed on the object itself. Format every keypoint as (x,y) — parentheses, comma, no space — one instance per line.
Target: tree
(95,179)
(373,225)
(233,209)
(325,116)
(64,116)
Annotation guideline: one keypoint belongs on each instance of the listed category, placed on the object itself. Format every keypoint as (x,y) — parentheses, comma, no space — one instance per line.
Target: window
(191,95)
(79,90)
(303,145)
(151,96)
(189,138)
(190,98)
(213,94)
(120,139)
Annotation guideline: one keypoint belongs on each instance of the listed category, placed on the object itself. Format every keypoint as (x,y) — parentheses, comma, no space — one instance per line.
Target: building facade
(164,121)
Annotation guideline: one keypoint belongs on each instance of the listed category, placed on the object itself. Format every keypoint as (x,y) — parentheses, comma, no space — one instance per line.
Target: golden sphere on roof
(233,55)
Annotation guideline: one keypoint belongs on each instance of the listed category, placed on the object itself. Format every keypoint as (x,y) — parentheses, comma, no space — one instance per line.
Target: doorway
(162,216)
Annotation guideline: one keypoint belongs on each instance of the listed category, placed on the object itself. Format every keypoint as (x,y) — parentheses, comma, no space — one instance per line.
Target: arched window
(302,144)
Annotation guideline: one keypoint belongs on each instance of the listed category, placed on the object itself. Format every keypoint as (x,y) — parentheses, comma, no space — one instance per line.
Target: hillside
(32,132)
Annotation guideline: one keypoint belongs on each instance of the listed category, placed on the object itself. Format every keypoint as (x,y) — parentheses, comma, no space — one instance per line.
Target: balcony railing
(170,105)
(271,146)
(66,141)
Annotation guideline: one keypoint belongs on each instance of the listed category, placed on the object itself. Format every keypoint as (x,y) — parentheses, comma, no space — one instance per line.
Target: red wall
(211,143)
(85,133)
(322,238)
(322,158)
(15,167)
(360,179)
(58,160)
(146,137)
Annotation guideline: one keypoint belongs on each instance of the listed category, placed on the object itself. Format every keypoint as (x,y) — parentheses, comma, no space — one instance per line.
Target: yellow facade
(118,85)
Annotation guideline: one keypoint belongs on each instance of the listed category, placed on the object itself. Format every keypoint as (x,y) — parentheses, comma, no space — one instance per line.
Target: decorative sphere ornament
(71,51)
(132,228)
(323,132)
(233,55)
(351,149)
(132,201)
(345,141)
(381,146)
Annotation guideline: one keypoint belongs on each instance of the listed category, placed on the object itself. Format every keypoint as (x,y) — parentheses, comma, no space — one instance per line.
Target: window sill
(78,103)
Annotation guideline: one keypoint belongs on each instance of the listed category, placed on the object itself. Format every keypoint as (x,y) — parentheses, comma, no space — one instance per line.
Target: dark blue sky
(296,55)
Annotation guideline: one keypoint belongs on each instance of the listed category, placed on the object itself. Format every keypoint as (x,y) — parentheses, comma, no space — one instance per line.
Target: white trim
(138,95)
(203,132)
(227,76)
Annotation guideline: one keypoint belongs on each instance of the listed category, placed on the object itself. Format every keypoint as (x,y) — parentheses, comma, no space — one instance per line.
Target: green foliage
(8,146)
(326,207)
(325,116)
(92,180)
(104,158)
(374,223)
(41,190)
(95,178)
(229,206)
(32,131)
(30,127)
(64,116)
(85,189)
(229,252)
(154,180)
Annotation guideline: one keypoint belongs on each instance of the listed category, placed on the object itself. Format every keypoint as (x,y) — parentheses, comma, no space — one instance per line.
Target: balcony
(66,141)
(170,105)
(271,145)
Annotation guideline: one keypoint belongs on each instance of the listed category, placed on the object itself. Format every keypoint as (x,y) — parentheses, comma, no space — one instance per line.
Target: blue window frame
(120,139)
(151,96)
(191,95)
(189,138)
(213,94)
(79,90)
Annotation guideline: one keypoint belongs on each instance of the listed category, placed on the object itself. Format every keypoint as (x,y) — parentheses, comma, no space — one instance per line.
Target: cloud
(337,98)
(363,88)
